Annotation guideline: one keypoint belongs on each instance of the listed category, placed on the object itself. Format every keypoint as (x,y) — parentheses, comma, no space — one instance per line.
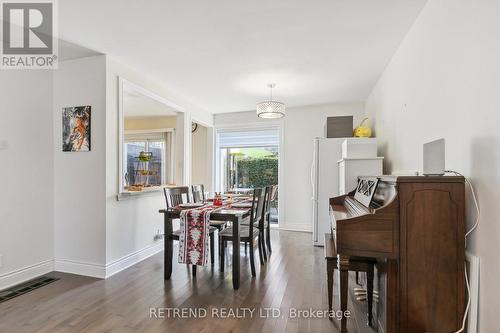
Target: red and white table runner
(194,240)
(194,246)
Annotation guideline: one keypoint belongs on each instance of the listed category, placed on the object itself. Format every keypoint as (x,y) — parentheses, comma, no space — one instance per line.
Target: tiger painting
(76,128)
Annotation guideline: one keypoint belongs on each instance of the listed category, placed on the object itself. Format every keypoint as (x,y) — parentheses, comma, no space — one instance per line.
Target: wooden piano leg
(344,289)
(369,292)
(330,266)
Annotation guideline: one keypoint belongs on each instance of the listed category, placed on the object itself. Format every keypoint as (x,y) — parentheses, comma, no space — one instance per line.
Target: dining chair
(178,195)
(261,225)
(199,196)
(198,192)
(272,198)
(247,232)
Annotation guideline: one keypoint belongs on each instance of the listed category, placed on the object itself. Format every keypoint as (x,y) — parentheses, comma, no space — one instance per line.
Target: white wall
(299,127)
(200,158)
(59,210)
(149,123)
(79,178)
(131,224)
(26,161)
(180,145)
(444,81)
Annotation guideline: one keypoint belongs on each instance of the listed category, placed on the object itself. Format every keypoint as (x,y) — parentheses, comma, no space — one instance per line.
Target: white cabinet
(359,148)
(351,168)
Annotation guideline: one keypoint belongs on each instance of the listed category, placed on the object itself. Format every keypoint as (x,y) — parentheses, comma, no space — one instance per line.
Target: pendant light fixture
(271,109)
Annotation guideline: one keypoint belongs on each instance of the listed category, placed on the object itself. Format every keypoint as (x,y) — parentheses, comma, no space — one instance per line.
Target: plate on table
(231,211)
(234,195)
(192,205)
(242,205)
(212,199)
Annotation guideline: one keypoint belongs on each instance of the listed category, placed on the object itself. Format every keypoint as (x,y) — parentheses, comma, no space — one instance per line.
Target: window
(148,159)
(248,168)
(248,159)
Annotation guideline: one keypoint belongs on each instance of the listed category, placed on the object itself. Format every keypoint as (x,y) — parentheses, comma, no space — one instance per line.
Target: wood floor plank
(294,277)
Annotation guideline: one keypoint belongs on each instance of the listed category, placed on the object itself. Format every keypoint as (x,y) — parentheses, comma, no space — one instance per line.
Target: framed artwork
(76,128)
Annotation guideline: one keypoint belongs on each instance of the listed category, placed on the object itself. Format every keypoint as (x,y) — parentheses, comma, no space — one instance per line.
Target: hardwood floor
(295,277)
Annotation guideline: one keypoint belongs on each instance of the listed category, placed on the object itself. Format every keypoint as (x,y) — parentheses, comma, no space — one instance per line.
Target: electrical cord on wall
(476,223)
(468,304)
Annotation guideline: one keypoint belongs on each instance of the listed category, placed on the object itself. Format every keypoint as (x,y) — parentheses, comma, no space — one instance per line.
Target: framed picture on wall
(76,128)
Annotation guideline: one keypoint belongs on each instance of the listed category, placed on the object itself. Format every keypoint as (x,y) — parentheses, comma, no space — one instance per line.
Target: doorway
(248,159)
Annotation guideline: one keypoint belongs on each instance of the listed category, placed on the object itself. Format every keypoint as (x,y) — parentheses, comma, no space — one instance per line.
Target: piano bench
(346,264)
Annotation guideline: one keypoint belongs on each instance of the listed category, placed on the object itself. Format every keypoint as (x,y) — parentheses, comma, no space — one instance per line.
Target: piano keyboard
(354,207)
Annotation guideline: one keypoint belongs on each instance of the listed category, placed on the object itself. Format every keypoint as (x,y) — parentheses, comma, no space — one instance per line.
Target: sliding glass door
(248,159)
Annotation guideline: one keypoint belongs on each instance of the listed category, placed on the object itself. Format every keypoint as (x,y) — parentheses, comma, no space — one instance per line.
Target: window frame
(277,125)
(218,174)
(267,124)
(167,135)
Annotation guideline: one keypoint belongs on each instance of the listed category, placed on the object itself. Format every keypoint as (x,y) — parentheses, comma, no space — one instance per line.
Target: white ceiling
(136,104)
(69,51)
(220,54)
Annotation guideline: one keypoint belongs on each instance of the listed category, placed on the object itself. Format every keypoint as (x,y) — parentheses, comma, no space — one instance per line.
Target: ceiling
(69,51)
(136,104)
(221,54)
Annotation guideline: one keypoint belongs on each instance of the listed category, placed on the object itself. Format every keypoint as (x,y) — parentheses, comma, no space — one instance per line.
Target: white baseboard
(80,268)
(105,271)
(77,267)
(26,273)
(133,258)
(295,227)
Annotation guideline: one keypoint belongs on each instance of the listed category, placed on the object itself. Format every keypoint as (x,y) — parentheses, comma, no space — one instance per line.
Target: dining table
(223,213)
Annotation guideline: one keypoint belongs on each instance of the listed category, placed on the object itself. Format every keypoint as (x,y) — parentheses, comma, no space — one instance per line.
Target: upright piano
(415,228)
